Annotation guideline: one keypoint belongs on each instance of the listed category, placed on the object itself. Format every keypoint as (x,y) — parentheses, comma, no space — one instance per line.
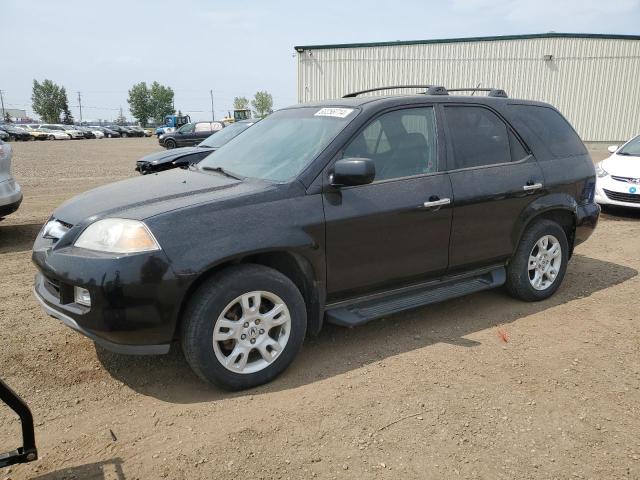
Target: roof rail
(493,92)
(429,90)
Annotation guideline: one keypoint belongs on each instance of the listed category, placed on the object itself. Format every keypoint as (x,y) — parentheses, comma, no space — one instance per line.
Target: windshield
(223,136)
(279,147)
(632,148)
(187,128)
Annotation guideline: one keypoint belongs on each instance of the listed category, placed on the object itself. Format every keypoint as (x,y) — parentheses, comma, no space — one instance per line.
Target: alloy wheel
(545,261)
(252,332)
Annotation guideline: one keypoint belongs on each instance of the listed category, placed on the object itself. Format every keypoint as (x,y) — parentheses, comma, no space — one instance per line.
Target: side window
(401,143)
(550,128)
(479,137)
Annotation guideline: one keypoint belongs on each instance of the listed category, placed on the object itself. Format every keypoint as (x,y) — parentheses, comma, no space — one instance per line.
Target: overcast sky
(238,47)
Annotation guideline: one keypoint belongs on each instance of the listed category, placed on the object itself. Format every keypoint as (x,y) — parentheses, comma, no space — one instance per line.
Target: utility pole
(213,117)
(2,102)
(80,105)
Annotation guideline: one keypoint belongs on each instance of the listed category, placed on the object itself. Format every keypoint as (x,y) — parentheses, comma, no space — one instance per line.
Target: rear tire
(243,327)
(540,262)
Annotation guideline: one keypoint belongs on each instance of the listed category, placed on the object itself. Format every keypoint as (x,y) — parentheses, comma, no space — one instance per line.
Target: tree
(48,100)
(140,103)
(262,103)
(161,102)
(240,103)
(121,119)
(67,118)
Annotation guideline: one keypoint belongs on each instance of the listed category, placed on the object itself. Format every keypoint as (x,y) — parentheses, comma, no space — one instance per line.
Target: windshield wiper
(222,171)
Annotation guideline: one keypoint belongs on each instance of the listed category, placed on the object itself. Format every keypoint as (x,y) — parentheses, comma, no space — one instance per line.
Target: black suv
(341,211)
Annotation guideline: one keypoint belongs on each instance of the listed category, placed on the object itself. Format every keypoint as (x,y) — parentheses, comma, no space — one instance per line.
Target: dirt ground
(434,393)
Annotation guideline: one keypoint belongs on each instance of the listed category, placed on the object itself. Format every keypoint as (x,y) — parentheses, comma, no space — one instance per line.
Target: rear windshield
(550,128)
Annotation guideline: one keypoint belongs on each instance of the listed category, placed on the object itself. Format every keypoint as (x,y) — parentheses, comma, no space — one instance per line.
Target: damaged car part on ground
(28,451)
(338,211)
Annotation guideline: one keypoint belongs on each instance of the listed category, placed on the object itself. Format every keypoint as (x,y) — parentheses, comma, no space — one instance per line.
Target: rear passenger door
(494,177)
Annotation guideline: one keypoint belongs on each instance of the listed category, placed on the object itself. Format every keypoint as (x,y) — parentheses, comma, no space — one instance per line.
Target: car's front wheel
(243,327)
(540,262)
(169,143)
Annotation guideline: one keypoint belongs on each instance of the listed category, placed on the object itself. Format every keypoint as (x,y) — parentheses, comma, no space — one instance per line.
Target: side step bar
(370,308)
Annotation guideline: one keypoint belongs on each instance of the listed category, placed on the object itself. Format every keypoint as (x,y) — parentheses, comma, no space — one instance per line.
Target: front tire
(243,327)
(170,144)
(540,262)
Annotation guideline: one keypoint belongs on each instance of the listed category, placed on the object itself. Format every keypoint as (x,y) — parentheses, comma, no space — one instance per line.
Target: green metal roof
(300,48)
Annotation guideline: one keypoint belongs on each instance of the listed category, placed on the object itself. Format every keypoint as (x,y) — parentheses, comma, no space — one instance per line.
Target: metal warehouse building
(594,80)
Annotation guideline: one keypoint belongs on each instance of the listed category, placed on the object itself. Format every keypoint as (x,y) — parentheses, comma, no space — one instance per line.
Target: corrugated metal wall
(594,82)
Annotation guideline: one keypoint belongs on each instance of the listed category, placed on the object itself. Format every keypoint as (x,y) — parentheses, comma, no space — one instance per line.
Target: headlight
(161,136)
(601,172)
(118,235)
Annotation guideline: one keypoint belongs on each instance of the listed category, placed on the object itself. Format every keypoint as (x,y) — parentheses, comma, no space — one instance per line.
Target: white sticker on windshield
(334,112)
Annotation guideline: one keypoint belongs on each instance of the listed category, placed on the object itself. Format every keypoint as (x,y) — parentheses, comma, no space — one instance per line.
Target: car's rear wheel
(124,135)
(243,327)
(540,262)
(170,143)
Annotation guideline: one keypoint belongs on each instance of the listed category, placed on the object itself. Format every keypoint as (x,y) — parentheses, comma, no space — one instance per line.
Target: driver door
(390,232)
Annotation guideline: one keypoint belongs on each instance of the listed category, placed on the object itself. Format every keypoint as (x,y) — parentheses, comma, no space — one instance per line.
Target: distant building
(15,114)
(591,78)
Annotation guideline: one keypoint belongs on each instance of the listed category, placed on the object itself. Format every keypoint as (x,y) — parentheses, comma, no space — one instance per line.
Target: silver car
(10,191)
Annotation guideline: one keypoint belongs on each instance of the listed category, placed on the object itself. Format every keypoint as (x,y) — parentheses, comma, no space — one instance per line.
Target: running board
(370,308)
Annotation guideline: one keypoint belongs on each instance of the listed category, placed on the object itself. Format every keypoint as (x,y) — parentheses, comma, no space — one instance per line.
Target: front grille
(623,197)
(53,286)
(627,179)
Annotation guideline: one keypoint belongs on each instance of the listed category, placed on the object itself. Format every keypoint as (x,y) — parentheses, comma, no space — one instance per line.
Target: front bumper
(135,299)
(10,197)
(615,192)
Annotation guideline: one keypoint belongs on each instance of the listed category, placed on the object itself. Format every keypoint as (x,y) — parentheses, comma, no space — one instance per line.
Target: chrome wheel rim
(545,261)
(251,332)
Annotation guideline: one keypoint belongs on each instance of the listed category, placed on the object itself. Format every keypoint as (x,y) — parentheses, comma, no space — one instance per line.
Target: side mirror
(353,171)
(613,148)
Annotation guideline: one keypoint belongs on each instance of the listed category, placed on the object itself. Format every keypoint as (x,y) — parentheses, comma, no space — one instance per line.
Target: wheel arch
(559,208)
(293,265)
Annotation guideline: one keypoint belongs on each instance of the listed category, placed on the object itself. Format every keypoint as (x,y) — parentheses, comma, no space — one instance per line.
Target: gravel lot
(433,393)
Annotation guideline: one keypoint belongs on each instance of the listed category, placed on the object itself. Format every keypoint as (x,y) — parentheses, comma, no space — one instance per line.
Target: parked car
(55,134)
(10,191)
(4,136)
(341,210)
(189,134)
(139,131)
(35,133)
(68,129)
(108,133)
(15,133)
(619,176)
(123,131)
(185,156)
(88,133)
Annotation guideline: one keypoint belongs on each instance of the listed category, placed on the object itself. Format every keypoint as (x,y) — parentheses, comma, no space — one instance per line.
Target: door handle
(437,203)
(533,186)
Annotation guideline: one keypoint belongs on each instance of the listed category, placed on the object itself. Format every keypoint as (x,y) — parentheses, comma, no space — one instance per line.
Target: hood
(622,166)
(142,197)
(171,155)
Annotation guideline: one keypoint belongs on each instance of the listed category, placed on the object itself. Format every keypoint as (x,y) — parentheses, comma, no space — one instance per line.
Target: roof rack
(429,90)
(493,92)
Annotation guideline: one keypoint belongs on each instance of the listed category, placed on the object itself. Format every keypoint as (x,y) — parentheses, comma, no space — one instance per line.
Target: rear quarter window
(550,129)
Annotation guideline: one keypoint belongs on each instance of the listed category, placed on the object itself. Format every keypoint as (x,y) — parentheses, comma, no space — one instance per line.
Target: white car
(10,191)
(68,129)
(97,133)
(618,181)
(54,134)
